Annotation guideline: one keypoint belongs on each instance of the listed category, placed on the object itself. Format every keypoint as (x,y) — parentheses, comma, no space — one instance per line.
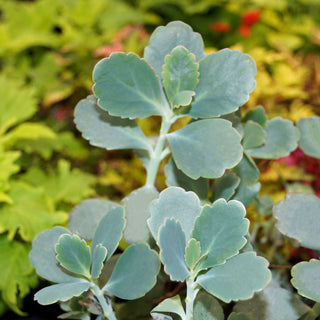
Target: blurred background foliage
(47,52)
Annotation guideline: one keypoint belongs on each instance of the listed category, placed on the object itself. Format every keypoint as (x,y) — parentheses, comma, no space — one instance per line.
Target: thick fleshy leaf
(137,211)
(100,254)
(225,187)
(306,279)
(254,135)
(310,135)
(61,292)
(220,229)
(126,86)
(193,253)
(298,217)
(159,316)
(238,279)
(135,272)
(199,152)
(257,115)
(207,307)
(238,316)
(43,255)
(173,305)
(85,217)
(105,131)
(226,80)
(172,244)
(165,38)
(175,177)
(180,74)
(74,254)
(109,231)
(281,138)
(174,203)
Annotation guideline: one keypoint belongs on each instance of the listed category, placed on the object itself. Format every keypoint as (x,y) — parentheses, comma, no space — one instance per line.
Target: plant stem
(313,314)
(192,292)
(106,307)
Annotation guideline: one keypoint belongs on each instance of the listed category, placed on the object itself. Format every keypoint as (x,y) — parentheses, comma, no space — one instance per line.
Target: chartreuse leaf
(226,80)
(105,131)
(8,167)
(281,138)
(180,76)
(310,132)
(237,279)
(136,206)
(135,272)
(254,135)
(126,86)
(197,156)
(306,279)
(85,216)
(172,244)
(220,229)
(174,203)
(173,305)
(225,187)
(165,38)
(257,115)
(238,316)
(61,292)
(43,256)
(207,307)
(192,253)
(74,254)
(298,217)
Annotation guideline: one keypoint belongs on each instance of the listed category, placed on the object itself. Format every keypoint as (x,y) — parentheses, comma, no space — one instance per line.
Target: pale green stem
(313,314)
(192,291)
(106,307)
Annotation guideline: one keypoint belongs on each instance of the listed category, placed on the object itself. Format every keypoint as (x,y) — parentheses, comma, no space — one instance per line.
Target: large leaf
(298,217)
(105,131)
(172,244)
(281,138)
(238,279)
(207,307)
(174,203)
(165,38)
(306,278)
(135,272)
(137,211)
(172,305)
(198,151)
(220,229)
(310,132)
(226,80)
(126,86)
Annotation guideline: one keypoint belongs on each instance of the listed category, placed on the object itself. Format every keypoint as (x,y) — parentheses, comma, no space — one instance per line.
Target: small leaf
(281,138)
(207,307)
(254,135)
(237,279)
(198,156)
(61,292)
(306,278)
(226,80)
(174,203)
(220,229)
(257,115)
(238,316)
(172,244)
(298,217)
(180,74)
(100,254)
(310,133)
(225,187)
(173,305)
(193,253)
(74,254)
(126,86)
(159,316)
(165,38)
(135,272)
(105,131)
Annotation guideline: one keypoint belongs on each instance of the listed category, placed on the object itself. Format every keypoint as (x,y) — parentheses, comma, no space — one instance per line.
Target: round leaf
(199,150)
(254,135)
(207,307)
(126,86)
(298,217)
(257,115)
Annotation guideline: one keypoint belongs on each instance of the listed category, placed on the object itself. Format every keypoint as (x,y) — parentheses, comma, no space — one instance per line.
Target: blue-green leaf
(164,39)
(298,217)
(135,272)
(173,305)
(105,131)
(257,115)
(225,186)
(193,253)
(206,307)
(220,229)
(174,203)
(126,86)
(254,135)
(172,244)
(199,152)
(226,80)
(99,256)
(159,316)
(237,279)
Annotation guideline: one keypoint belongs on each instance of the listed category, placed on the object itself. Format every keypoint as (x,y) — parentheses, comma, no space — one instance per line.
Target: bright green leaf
(8,167)
(254,135)
(298,217)
(225,187)
(257,115)
(126,86)
(207,307)
(173,305)
(99,256)
(198,151)
(192,253)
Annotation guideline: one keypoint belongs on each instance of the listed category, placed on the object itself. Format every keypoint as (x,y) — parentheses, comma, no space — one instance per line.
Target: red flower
(250,17)
(220,26)
(244,30)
